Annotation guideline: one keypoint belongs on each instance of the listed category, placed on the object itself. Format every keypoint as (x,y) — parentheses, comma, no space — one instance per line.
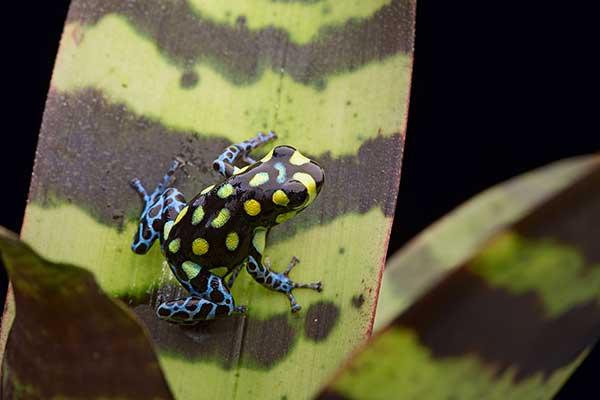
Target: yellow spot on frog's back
(174,245)
(252,207)
(199,246)
(309,182)
(181,214)
(225,191)
(280,198)
(285,216)
(221,218)
(198,215)
(259,239)
(167,229)
(240,170)
(232,241)
(267,157)
(259,179)
(208,189)
(191,269)
(298,159)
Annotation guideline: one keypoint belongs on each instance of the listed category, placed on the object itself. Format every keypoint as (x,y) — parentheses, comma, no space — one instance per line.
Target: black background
(498,89)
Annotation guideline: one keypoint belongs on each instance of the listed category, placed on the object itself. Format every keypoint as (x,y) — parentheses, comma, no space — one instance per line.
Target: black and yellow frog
(227,225)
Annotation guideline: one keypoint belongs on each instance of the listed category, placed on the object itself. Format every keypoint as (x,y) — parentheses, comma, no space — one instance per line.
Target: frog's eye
(296,193)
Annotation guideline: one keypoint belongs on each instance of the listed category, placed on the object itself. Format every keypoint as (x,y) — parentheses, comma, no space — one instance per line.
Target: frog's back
(217,227)
(210,232)
(226,225)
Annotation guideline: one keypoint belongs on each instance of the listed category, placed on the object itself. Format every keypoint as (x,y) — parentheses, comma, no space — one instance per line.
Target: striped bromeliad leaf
(86,344)
(513,320)
(455,238)
(137,83)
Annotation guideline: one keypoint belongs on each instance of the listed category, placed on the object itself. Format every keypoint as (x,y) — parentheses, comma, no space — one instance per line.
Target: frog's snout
(311,168)
(318,174)
(301,163)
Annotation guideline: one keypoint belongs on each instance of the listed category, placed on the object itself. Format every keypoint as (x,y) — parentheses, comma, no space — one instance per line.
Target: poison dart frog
(227,225)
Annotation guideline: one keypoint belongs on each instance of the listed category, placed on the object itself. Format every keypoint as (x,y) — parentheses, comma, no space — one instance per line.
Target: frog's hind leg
(224,164)
(191,310)
(209,299)
(160,206)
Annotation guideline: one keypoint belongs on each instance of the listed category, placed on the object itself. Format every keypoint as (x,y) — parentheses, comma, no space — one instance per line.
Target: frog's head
(298,181)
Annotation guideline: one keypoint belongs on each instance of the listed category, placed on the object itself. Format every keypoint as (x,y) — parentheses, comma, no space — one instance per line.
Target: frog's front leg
(259,267)
(240,151)
(209,297)
(160,207)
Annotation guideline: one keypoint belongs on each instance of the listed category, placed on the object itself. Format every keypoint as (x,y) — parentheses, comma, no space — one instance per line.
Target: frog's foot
(289,285)
(193,309)
(318,286)
(224,164)
(280,282)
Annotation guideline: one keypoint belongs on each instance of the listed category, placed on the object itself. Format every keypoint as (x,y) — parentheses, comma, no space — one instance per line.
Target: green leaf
(68,339)
(301,19)
(452,240)
(512,321)
(138,83)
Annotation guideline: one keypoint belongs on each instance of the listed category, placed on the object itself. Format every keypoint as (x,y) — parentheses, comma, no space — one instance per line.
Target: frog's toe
(318,286)
(295,260)
(296,307)
(241,309)
(136,185)
(287,285)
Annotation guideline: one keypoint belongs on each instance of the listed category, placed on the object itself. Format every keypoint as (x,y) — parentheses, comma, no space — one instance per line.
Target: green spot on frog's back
(259,179)
(225,191)
(221,218)
(174,245)
(191,269)
(198,215)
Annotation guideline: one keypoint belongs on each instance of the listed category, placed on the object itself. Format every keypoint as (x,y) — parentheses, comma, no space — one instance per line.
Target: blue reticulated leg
(260,269)
(209,299)
(191,310)
(224,164)
(160,206)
